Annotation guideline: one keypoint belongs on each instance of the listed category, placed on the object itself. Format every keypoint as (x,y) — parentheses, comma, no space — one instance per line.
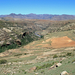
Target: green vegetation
(24,41)
(42,71)
(62,55)
(3,61)
(5,47)
(44,66)
(20,61)
(69,54)
(25,53)
(55,56)
(5,24)
(27,39)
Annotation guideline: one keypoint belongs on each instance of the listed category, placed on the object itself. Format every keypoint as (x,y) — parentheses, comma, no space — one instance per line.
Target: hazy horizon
(35,14)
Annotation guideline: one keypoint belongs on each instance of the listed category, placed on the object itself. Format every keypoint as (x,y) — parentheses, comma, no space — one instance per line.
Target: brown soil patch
(58,42)
(62,42)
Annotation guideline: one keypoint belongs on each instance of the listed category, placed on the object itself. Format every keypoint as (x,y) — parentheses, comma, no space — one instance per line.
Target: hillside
(40,57)
(12,30)
(37,47)
(55,40)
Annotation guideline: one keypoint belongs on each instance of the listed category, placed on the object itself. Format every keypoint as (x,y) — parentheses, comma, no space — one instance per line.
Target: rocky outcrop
(18,42)
(58,64)
(1,42)
(64,73)
(55,65)
(7,30)
(24,34)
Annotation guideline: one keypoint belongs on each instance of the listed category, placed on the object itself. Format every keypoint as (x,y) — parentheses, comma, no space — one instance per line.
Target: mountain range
(39,16)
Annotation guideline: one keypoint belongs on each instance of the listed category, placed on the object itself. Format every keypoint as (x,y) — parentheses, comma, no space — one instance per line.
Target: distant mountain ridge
(40,16)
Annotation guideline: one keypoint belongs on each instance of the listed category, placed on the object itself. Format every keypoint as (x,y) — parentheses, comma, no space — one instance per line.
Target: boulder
(58,64)
(9,63)
(10,39)
(64,73)
(24,34)
(1,42)
(8,43)
(36,73)
(18,41)
(7,30)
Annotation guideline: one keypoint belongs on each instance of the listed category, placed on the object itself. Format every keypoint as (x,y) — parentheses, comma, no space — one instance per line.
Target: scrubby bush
(25,72)
(68,61)
(42,71)
(74,50)
(69,54)
(44,66)
(25,53)
(60,61)
(3,61)
(55,56)
(42,36)
(62,56)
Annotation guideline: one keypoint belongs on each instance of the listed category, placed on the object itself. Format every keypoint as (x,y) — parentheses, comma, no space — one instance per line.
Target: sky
(54,7)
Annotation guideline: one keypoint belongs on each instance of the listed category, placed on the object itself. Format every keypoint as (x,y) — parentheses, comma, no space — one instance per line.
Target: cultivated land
(40,56)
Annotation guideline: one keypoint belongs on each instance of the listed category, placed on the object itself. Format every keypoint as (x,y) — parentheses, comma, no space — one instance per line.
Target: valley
(24,53)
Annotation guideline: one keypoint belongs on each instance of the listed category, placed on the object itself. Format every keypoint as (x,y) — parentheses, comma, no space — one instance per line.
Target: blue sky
(37,7)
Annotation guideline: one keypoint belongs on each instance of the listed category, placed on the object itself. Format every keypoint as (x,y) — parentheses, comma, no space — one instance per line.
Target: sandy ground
(62,42)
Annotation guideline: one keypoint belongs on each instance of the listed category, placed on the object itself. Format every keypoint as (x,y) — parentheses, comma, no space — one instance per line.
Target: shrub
(60,61)
(42,36)
(25,53)
(74,50)
(25,72)
(69,54)
(3,61)
(68,61)
(55,56)
(62,56)
(42,71)
(44,66)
